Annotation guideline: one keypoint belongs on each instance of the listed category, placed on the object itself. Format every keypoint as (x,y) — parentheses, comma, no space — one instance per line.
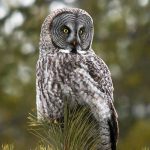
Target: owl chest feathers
(60,70)
(62,74)
(57,70)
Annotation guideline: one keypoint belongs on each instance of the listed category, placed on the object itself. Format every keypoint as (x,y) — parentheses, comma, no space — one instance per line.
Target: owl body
(68,65)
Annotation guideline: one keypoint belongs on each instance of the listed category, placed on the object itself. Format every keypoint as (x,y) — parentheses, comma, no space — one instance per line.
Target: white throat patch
(68,51)
(81,52)
(64,50)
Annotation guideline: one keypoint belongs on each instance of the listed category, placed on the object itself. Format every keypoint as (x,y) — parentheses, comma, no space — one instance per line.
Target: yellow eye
(65,30)
(81,31)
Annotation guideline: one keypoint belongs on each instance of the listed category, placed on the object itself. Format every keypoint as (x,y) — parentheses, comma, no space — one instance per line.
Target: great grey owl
(67,64)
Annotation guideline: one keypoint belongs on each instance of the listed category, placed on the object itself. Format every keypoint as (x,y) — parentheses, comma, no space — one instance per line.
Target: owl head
(68,30)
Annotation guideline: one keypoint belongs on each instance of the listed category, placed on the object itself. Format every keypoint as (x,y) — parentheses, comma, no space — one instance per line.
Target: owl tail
(113,127)
(105,143)
(112,135)
(109,133)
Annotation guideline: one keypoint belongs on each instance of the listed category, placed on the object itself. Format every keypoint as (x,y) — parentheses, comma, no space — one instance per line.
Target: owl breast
(54,75)
(62,66)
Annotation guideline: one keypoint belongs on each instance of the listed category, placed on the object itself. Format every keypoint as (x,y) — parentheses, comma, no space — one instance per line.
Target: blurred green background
(122,39)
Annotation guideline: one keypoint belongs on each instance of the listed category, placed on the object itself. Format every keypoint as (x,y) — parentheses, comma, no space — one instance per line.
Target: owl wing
(99,71)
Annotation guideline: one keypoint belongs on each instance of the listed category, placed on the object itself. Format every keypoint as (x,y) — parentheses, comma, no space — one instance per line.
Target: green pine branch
(78,131)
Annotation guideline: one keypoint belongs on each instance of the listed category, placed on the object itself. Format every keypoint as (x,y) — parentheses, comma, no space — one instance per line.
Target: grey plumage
(67,64)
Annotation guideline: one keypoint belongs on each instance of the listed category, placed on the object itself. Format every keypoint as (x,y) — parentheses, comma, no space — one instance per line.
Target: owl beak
(74,43)
(74,48)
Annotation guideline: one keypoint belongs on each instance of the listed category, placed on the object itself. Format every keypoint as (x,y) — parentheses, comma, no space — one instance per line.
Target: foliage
(140,138)
(7,147)
(78,131)
(145,148)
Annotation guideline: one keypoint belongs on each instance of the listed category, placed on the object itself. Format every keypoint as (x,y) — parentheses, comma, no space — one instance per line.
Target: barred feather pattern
(84,76)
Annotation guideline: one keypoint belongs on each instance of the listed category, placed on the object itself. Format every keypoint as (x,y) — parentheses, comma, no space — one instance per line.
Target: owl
(67,64)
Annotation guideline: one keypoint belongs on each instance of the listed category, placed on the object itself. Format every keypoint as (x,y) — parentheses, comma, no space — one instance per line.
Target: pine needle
(8,147)
(78,131)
